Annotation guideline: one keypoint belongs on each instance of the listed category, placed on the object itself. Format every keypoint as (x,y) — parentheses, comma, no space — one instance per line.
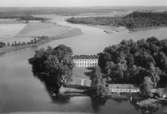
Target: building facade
(123,88)
(85,60)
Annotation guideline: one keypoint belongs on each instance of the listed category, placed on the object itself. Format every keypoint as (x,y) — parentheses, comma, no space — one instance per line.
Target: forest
(142,63)
(131,21)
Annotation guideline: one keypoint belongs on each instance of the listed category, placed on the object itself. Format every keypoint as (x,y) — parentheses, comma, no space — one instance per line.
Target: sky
(72,3)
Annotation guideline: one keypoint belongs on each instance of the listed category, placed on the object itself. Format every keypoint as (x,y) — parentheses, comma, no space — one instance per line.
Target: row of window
(85,65)
(85,61)
(125,90)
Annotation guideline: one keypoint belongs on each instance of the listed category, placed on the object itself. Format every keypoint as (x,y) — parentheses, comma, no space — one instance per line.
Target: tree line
(131,21)
(142,63)
(35,40)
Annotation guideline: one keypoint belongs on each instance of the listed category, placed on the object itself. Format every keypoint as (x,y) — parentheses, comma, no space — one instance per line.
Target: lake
(20,91)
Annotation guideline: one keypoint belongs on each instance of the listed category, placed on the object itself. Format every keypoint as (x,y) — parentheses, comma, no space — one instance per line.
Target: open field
(26,32)
(20,32)
(47,29)
(10,30)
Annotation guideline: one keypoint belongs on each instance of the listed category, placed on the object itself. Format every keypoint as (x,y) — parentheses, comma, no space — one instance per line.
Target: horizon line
(82,6)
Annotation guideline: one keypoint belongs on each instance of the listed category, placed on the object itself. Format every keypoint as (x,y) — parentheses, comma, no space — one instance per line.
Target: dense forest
(131,21)
(53,66)
(142,63)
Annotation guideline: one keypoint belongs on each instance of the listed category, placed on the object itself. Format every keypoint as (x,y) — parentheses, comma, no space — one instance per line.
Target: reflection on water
(53,90)
(59,99)
(148,108)
(98,104)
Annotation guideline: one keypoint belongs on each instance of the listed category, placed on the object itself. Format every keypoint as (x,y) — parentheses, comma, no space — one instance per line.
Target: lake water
(21,92)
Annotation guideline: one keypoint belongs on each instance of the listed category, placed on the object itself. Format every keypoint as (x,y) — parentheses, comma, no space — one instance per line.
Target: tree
(130,62)
(99,89)
(147,86)
(53,66)
(99,83)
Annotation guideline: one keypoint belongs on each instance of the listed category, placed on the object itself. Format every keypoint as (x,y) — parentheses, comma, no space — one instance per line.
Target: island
(133,21)
(128,70)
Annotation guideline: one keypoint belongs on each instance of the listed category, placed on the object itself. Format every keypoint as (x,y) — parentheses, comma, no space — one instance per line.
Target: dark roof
(85,57)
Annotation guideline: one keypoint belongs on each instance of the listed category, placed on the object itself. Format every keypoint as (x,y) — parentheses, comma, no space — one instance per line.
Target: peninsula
(38,33)
(132,21)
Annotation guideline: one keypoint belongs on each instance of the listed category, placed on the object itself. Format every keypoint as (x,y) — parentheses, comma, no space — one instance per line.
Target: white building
(123,88)
(85,60)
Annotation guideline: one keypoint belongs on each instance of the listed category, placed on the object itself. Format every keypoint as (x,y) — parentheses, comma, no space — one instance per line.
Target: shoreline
(51,113)
(114,29)
(66,34)
(134,21)
(106,28)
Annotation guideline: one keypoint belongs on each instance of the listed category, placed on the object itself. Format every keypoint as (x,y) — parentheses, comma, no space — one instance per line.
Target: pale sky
(71,3)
